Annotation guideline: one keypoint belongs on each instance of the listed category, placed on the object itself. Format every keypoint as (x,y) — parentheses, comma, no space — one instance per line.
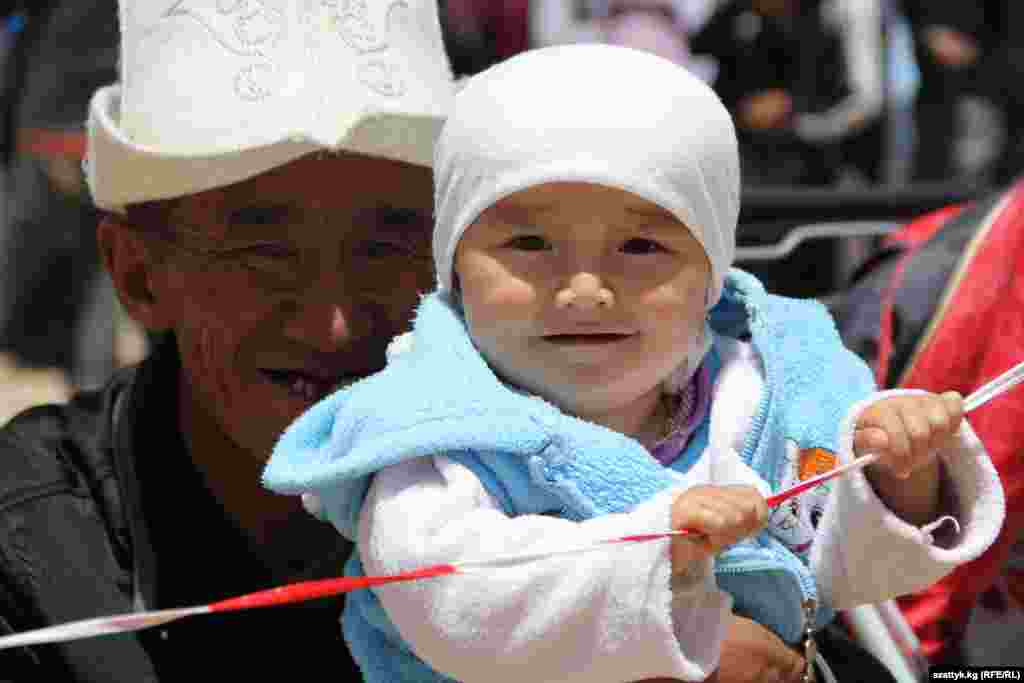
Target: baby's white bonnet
(602,114)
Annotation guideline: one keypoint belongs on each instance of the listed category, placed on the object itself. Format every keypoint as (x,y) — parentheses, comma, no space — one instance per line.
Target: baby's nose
(584,291)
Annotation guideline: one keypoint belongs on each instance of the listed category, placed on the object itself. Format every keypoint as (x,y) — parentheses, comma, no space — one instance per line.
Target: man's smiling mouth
(307,387)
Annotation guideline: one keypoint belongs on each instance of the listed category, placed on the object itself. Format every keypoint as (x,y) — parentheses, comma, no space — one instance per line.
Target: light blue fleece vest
(442,398)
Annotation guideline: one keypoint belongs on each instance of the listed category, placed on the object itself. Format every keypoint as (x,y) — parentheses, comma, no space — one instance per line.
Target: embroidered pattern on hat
(244,27)
(259,25)
(247,28)
(254,82)
(382,77)
(351,20)
(252,28)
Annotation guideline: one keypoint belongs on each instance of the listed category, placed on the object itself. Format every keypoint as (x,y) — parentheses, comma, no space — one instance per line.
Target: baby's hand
(721,516)
(906,431)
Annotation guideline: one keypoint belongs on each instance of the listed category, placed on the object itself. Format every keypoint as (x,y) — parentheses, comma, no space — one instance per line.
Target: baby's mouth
(595,339)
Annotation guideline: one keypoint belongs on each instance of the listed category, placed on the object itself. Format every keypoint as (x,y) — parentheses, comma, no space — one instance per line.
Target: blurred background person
(57,313)
(968,47)
(805,82)
(479,34)
(663,27)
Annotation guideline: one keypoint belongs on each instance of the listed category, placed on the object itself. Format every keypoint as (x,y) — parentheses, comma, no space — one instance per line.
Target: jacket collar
(145,403)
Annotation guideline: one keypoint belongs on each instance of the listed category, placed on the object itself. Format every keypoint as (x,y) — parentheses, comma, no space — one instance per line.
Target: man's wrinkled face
(291,283)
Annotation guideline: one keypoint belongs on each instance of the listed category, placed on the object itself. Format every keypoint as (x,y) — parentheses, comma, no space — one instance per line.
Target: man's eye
(640,245)
(381,249)
(274,266)
(269,252)
(528,243)
(403,217)
(275,259)
(407,225)
(260,215)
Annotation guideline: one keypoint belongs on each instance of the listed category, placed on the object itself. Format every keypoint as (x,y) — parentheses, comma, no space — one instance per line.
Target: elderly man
(263,166)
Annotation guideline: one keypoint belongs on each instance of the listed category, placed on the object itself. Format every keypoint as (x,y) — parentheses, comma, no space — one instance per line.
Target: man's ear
(129,259)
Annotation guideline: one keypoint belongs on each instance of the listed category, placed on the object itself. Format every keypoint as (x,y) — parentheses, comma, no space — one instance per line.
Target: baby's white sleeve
(605,616)
(865,553)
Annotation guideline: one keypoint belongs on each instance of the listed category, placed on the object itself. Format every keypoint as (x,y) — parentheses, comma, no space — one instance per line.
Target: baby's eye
(641,245)
(528,243)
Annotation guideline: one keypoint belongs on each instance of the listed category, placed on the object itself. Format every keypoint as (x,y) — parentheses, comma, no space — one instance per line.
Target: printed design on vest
(245,28)
(795,520)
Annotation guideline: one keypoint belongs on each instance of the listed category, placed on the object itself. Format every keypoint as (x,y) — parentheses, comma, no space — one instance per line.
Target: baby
(590,367)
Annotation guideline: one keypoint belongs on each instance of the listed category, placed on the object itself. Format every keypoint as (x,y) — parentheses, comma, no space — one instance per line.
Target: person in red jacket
(945,311)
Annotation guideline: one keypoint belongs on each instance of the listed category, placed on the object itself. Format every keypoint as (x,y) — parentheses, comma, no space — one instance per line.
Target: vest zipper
(810,645)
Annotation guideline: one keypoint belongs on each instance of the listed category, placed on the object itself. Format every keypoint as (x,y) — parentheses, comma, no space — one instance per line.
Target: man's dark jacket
(86,490)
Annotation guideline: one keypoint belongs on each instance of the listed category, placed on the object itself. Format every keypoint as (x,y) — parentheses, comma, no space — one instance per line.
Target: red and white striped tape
(310,590)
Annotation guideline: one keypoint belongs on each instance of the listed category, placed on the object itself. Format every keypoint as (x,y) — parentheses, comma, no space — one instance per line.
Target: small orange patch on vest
(815,461)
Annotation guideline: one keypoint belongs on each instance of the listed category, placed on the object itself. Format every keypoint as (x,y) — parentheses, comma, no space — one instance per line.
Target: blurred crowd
(824,93)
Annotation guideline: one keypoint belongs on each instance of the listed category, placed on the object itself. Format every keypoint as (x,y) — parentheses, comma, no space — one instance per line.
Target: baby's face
(586,295)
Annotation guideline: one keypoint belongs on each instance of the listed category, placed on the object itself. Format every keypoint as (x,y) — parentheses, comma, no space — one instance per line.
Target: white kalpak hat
(213,92)
(590,113)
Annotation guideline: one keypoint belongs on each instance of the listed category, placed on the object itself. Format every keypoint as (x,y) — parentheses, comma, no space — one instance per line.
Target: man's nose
(324,326)
(327,314)
(584,291)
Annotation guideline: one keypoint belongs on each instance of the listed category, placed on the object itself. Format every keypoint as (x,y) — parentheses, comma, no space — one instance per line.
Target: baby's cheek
(687,291)
(684,311)
(509,297)
(494,304)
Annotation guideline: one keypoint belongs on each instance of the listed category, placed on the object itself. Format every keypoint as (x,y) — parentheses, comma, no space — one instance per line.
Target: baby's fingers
(739,511)
(921,432)
(951,413)
(937,419)
(719,516)
(883,432)
(906,431)
(870,440)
